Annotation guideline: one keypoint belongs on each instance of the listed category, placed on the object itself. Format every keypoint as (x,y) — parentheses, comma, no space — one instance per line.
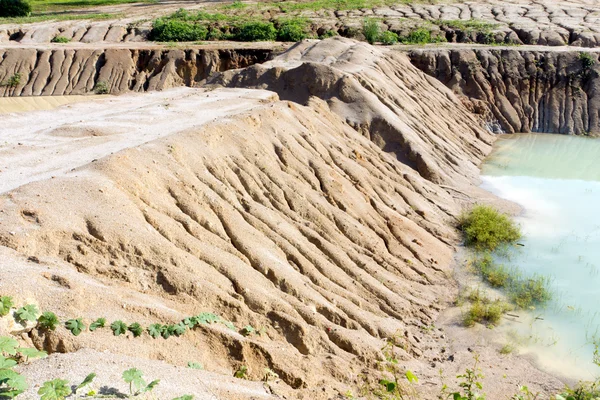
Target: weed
(137,384)
(241,373)
(484,310)
(256,31)
(528,292)
(13,80)
(177,31)
(136,329)
(247,330)
(371,30)
(421,36)
(101,88)
(270,375)
(99,323)
(60,39)
(469,384)
(76,326)
(26,313)
(185,397)
(195,365)
(507,349)
(525,394)
(56,389)
(236,5)
(292,30)
(471,25)
(587,60)
(6,303)
(388,38)
(48,321)
(328,34)
(119,328)
(486,228)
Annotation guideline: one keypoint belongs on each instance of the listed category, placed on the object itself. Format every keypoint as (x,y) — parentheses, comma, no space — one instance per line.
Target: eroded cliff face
(63,71)
(522,90)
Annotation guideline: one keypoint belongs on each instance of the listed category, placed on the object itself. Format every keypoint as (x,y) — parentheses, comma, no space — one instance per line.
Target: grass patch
(177,31)
(485,228)
(470,25)
(506,349)
(39,6)
(60,39)
(483,310)
(58,17)
(421,36)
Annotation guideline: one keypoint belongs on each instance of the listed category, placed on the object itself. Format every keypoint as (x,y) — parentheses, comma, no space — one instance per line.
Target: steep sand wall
(55,72)
(522,90)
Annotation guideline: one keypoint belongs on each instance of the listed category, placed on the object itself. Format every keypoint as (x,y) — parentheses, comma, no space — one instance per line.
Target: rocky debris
(522,91)
(294,216)
(55,72)
(548,23)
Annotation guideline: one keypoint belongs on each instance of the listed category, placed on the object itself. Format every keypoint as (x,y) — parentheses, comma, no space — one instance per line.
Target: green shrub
(291,31)
(485,228)
(328,34)
(388,38)
(371,30)
(483,310)
(531,291)
(48,321)
(14,8)
(60,39)
(256,32)
(421,36)
(12,80)
(101,88)
(177,31)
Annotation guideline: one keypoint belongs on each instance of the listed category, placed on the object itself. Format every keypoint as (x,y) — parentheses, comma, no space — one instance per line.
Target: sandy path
(55,146)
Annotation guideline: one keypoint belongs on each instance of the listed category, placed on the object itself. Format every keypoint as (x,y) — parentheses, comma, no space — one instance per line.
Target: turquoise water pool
(556,180)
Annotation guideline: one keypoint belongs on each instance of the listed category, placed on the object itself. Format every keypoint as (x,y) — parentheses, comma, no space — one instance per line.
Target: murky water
(556,179)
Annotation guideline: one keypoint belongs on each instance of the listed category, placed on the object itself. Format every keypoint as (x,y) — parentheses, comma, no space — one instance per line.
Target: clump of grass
(470,25)
(292,30)
(483,310)
(388,38)
(60,39)
(101,88)
(371,30)
(422,35)
(13,81)
(177,31)
(256,31)
(506,349)
(527,293)
(485,228)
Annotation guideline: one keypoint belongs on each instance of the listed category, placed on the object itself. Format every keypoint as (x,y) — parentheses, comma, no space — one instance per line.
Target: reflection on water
(556,179)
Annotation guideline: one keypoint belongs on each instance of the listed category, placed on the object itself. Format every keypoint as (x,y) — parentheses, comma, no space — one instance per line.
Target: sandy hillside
(321,214)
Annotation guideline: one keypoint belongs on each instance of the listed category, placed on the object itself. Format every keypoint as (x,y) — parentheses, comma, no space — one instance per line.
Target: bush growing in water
(14,8)
(486,228)
(177,31)
(256,32)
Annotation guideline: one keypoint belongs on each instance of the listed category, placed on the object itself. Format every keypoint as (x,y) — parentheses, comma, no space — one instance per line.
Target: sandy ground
(10,105)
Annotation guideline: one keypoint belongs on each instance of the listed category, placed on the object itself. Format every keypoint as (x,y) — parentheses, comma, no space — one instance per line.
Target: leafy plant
(241,373)
(119,328)
(28,352)
(60,39)
(485,228)
(136,329)
(12,383)
(371,30)
(195,365)
(101,88)
(137,384)
(6,303)
(256,31)
(155,330)
(388,38)
(292,30)
(8,345)
(26,313)
(56,389)
(14,8)
(75,325)
(177,31)
(86,382)
(48,321)
(469,385)
(99,323)
(270,375)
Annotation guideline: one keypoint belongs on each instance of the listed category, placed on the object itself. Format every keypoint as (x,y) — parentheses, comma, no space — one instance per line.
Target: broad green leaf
(6,302)
(151,386)
(88,379)
(32,353)
(13,380)
(167,330)
(136,329)
(28,312)
(76,326)
(56,389)
(179,329)
(133,376)
(155,330)
(190,322)
(48,321)
(389,385)
(99,323)
(8,345)
(118,328)
(412,378)
(6,363)
(207,318)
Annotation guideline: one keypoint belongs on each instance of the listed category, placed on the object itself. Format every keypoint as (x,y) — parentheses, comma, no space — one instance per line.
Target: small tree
(14,8)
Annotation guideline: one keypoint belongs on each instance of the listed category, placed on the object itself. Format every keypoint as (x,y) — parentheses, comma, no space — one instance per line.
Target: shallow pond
(556,179)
